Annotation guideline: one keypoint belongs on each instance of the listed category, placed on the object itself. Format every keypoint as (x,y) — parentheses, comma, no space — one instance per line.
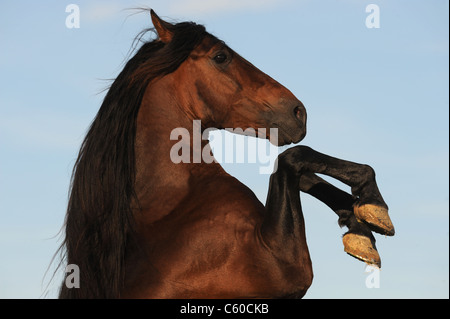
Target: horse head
(224,90)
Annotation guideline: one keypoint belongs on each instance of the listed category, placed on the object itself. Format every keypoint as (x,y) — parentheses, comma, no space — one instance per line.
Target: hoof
(376,217)
(361,248)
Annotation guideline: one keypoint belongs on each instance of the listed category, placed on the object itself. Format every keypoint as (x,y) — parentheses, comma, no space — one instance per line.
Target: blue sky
(375,96)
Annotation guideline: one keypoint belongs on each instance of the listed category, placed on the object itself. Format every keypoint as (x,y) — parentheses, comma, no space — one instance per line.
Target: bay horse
(139,225)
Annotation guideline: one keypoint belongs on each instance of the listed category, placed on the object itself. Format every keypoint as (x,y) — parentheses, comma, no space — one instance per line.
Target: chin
(285,139)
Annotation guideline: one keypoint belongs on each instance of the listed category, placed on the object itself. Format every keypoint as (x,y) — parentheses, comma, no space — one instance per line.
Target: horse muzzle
(290,124)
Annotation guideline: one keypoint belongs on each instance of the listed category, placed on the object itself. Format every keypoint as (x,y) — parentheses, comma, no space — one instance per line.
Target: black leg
(358,241)
(283,228)
(284,223)
(367,201)
(339,201)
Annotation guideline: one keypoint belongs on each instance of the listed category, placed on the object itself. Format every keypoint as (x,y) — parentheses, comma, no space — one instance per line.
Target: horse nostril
(298,112)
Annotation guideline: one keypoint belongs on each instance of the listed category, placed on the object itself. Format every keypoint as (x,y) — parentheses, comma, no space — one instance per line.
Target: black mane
(99,219)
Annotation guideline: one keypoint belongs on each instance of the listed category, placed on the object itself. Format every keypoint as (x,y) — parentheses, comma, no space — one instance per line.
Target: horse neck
(162,184)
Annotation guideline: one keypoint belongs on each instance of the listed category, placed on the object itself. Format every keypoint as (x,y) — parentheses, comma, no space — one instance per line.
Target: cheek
(217,92)
(211,98)
(222,85)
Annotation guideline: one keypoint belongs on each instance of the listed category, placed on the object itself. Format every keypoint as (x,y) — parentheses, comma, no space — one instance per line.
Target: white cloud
(202,7)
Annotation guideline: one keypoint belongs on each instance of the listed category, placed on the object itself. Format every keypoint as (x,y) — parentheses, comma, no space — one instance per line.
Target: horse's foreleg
(358,241)
(283,230)
(369,205)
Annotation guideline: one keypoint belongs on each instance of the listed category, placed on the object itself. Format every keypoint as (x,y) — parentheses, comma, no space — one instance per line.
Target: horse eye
(220,58)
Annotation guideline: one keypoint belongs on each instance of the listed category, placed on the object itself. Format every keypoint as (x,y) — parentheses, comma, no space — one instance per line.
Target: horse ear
(162,27)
